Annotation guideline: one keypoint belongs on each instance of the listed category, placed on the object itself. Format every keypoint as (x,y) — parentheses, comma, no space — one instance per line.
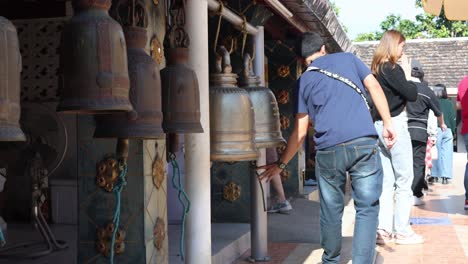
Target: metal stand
(258,220)
(24,250)
(35,249)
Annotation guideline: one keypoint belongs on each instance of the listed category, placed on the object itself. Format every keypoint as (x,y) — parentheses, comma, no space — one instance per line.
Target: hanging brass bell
(180,93)
(145,120)
(93,62)
(267,116)
(232,133)
(10,74)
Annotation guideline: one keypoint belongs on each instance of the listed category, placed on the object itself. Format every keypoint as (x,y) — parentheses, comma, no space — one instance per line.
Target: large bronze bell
(145,121)
(93,61)
(10,70)
(232,133)
(267,116)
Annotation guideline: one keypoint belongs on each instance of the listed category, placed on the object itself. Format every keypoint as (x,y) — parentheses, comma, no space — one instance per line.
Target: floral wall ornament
(104,237)
(284,120)
(156,50)
(231,191)
(159,173)
(283,97)
(107,173)
(159,233)
(283,71)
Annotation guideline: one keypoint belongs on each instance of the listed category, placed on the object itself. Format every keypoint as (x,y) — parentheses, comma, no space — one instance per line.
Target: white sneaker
(409,239)
(281,207)
(418,201)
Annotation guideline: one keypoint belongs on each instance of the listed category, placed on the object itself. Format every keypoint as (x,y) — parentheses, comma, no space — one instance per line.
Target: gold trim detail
(158,171)
(231,192)
(283,71)
(156,49)
(159,233)
(104,236)
(107,173)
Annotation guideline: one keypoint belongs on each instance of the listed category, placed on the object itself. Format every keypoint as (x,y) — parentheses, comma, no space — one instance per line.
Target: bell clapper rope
(122,155)
(220,11)
(183,199)
(244,33)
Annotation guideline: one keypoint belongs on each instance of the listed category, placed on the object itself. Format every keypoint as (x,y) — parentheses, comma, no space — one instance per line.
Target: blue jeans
(465,138)
(361,159)
(396,200)
(443,165)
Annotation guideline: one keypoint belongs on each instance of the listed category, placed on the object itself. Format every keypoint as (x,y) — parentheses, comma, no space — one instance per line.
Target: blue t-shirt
(337,111)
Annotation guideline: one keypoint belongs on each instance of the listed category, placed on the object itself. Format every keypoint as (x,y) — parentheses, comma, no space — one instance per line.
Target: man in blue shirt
(346,141)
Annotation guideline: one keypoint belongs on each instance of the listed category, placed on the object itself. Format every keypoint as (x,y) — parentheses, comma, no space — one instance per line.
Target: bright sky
(363,16)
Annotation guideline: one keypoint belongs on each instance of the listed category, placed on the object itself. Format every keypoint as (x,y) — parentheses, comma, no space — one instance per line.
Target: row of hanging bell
(10,75)
(97,80)
(241,120)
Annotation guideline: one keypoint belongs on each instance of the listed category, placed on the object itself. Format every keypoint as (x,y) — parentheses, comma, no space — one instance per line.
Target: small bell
(180,93)
(93,62)
(145,121)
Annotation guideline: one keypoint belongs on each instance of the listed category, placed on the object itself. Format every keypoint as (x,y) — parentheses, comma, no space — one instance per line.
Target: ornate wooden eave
(318,16)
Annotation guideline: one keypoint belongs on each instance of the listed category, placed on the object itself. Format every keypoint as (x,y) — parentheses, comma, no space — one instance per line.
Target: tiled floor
(278,252)
(442,221)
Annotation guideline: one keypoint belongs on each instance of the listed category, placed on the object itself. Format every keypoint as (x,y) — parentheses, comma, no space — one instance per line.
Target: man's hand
(270,171)
(389,135)
(405,63)
(443,127)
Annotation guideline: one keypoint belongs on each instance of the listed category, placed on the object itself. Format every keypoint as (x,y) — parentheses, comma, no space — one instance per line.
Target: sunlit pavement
(442,221)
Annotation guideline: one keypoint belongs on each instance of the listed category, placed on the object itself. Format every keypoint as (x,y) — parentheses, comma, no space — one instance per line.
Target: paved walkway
(442,221)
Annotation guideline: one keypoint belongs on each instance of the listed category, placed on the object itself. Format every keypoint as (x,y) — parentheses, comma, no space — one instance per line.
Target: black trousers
(419,167)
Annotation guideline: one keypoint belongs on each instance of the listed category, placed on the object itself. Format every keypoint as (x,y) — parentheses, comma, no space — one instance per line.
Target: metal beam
(232,17)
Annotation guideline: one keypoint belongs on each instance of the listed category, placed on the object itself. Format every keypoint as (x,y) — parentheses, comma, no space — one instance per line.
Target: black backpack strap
(342,79)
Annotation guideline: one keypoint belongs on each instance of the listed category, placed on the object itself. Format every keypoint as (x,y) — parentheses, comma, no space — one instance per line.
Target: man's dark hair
(308,44)
(417,70)
(440,91)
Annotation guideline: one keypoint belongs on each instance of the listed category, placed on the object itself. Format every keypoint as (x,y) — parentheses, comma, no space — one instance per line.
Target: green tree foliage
(337,10)
(424,26)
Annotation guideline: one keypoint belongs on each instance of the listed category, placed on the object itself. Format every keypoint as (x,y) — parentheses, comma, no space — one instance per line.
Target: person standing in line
(282,204)
(346,141)
(418,113)
(462,103)
(443,165)
(397,162)
(431,154)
